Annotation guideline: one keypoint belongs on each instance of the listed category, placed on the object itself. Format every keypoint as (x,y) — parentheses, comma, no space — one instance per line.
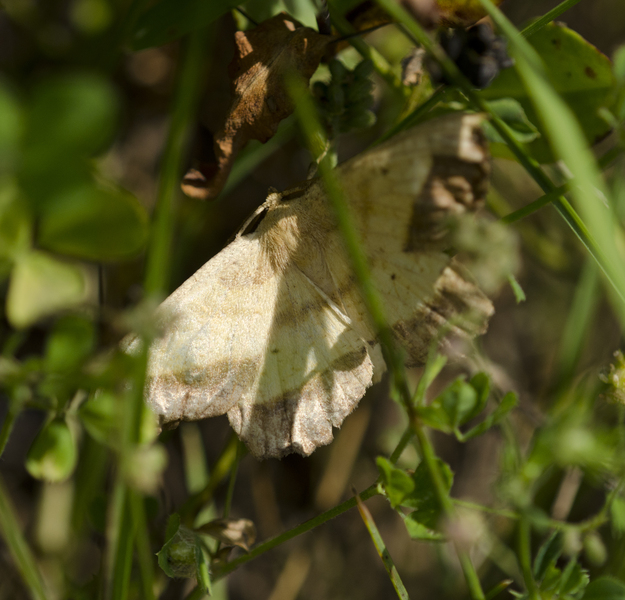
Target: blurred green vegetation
(501,473)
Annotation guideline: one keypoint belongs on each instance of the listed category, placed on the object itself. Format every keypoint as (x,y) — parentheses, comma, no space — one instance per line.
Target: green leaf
(519,294)
(458,400)
(508,402)
(547,555)
(177,557)
(512,114)
(42,285)
(397,484)
(170,19)
(424,497)
(100,417)
(202,570)
(53,454)
(70,342)
(480,382)
(71,113)
(579,73)
(574,579)
(605,588)
(418,531)
(457,404)
(94,224)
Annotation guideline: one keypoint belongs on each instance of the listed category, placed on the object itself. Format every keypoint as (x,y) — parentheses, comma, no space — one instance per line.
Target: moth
(273,331)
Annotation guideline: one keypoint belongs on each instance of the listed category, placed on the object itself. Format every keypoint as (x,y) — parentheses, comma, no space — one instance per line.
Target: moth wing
(261,344)
(402,195)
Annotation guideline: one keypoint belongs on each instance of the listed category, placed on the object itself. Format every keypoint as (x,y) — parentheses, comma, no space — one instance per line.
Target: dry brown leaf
(231,532)
(461,13)
(264,57)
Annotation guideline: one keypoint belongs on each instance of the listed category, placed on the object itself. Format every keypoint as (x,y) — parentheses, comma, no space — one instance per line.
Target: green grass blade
(547,18)
(19,549)
(183,111)
(378,542)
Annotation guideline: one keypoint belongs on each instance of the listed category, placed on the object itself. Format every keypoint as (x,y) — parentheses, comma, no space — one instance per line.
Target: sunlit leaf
(42,285)
(579,73)
(53,454)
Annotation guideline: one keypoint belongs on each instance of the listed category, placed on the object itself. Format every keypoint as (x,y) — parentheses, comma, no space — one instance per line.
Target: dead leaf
(231,532)
(461,13)
(264,56)
(412,67)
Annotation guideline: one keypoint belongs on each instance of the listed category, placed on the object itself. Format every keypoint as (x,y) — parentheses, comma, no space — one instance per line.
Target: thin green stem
(403,442)
(120,539)
(553,14)
(429,457)
(383,553)
(525,557)
(532,166)
(371,491)
(603,238)
(415,116)
(233,478)
(224,465)
(183,111)
(299,530)
(311,127)
(196,594)
(18,547)
(145,553)
(548,198)
(13,411)
(500,512)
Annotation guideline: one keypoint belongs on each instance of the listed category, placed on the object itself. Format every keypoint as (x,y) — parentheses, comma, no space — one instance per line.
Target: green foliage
(53,455)
(416,491)
(580,74)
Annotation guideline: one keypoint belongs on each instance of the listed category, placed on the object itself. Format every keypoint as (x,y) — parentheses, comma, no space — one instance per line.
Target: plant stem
(14,408)
(224,466)
(429,456)
(18,548)
(289,535)
(145,554)
(525,557)
(553,14)
(532,166)
(383,553)
(183,111)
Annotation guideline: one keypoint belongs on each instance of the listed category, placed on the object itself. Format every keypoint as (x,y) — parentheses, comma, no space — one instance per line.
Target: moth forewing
(273,331)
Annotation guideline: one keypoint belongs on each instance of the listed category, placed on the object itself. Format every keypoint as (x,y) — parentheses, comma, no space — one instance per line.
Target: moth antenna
(247,16)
